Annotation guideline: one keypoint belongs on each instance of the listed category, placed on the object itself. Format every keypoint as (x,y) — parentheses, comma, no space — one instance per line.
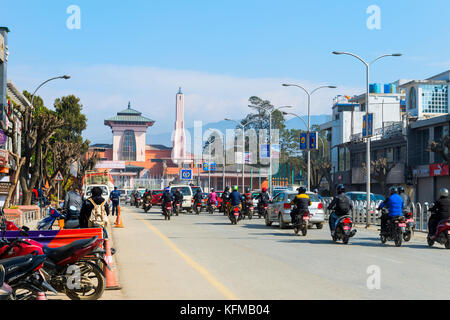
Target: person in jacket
(395,205)
(225,198)
(405,198)
(115,199)
(341,206)
(440,211)
(212,197)
(88,205)
(73,198)
(166,198)
(301,203)
(263,199)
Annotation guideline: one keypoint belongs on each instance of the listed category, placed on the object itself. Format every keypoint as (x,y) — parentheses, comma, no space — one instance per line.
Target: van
(188,196)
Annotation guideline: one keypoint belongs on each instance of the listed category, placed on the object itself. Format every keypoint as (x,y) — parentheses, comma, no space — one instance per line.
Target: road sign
(186,174)
(264,152)
(59,176)
(303,141)
(313,145)
(367,125)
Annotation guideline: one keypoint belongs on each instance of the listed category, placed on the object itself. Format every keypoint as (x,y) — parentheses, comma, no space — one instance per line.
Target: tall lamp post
(309,121)
(65,77)
(270,140)
(367,64)
(243,148)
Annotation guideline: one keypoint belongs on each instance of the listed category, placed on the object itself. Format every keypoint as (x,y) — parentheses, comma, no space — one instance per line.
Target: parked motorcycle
(395,230)
(235,215)
(168,211)
(410,225)
(6,292)
(301,222)
(343,229)
(442,235)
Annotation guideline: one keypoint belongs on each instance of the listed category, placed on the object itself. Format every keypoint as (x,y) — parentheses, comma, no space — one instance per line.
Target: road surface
(204,257)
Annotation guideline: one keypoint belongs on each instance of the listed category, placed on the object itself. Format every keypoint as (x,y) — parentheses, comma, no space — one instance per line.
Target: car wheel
(319,225)
(281,223)
(268,223)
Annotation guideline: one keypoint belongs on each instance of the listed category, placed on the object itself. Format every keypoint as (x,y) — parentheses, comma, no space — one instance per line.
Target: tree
(442,148)
(380,171)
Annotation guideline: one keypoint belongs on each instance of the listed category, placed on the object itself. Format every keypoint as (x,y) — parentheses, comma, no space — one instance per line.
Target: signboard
(248,158)
(367,126)
(186,174)
(438,170)
(59,176)
(313,145)
(264,152)
(3,158)
(303,141)
(2,48)
(4,187)
(110,165)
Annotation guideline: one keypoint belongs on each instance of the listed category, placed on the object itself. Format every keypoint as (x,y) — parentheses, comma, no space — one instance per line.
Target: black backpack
(343,205)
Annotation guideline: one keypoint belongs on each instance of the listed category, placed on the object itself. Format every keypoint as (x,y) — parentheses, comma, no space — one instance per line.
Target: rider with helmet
(301,202)
(225,198)
(395,204)
(405,198)
(341,205)
(166,198)
(263,199)
(247,200)
(440,211)
(316,191)
(235,197)
(212,197)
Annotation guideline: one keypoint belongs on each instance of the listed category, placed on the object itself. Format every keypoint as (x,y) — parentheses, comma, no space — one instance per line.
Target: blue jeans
(115,207)
(332,220)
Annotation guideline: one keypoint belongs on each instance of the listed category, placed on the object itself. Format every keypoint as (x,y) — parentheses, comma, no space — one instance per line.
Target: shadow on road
(256,226)
(215,223)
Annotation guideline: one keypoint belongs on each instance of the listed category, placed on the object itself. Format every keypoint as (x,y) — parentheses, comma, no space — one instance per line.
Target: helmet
(227,188)
(316,191)
(247,189)
(264,190)
(393,190)
(212,189)
(401,189)
(340,188)
(443,192)
(301,190)
(167,189)
(235,188)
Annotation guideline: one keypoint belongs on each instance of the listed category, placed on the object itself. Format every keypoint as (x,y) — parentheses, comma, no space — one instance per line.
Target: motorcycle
(81,256)
(177,207)
(168,211)
(198,207)
(395,230)
(442,235)
(226,207)
(248,209)
(211,207)
(235,215)
(262,210)
(147,204)
(301,222)
(21,278)
(410,225)
(138,201)
(343,229)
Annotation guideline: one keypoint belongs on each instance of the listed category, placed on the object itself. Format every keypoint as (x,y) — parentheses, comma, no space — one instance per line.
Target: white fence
(420,213)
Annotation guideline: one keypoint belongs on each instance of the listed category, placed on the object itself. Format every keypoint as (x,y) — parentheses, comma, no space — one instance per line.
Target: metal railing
(394,129)
(420,213)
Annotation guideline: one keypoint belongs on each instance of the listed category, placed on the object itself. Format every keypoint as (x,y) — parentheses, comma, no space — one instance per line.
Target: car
(279,209)
(188,196)
(156,197)
(255,201)
(379,197)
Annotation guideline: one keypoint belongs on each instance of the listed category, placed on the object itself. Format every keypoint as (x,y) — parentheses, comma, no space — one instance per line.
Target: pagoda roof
(129,116)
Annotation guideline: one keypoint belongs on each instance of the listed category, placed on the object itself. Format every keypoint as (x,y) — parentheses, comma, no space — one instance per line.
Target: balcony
(393,129)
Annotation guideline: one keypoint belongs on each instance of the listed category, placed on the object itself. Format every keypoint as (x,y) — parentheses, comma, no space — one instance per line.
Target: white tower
(179,137)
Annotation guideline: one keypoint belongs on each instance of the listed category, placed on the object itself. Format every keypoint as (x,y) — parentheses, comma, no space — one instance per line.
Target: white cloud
(106,89)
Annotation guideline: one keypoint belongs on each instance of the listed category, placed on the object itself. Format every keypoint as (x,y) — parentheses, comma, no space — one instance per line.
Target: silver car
(280,207)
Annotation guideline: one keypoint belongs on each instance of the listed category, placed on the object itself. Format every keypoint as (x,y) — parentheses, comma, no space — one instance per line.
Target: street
(206,258)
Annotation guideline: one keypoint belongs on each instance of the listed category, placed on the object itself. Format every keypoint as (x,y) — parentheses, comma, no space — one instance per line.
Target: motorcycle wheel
(319,226)
(345,240)
(89,272)
(296,230)
(430,242)
(447,244)
(168,217)
(407,236)
(304,230)
(268,223)
(383,239)
(250,215)
(334,237)
(398,239)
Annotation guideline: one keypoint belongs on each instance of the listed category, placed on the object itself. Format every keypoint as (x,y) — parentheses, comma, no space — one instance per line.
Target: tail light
(409,214)
(265,206)
(287,206)
(236,209)
(347,220)
(306,214)
(320,206)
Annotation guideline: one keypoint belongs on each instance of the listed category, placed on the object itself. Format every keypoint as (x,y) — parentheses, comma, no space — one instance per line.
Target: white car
(280,207)
(188,196)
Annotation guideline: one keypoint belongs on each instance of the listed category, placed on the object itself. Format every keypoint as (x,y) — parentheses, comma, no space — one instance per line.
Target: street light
(309,121)
(367,118)
(243,148)
(65,77)
(270,139)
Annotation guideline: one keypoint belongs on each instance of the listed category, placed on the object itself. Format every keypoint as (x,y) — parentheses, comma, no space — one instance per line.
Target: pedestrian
(73,199)
(95,211)
(115,199)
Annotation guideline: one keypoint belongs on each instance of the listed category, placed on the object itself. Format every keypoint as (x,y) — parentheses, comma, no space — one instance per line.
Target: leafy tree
(380,169)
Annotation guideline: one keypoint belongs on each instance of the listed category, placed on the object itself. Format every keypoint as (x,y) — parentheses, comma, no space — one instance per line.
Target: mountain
(294,123)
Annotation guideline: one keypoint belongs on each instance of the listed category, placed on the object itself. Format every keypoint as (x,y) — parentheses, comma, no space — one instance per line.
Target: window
(435,99)
(412,98)
(129,146)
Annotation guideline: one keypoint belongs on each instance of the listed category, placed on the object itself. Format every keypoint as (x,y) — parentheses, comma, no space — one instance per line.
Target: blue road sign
(313,145)
(367,125)
(264,152)
(186,174)
(303,141)
(209,166)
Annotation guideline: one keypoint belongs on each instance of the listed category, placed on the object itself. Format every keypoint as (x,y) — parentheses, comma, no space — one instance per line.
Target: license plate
(305,218)
(169,208)
(346,228)
(410,220)
(402,224)
(236,214)
(251,208)
(448,231)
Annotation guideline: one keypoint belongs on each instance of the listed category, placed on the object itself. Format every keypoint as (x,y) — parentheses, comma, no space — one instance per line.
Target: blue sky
(220,52)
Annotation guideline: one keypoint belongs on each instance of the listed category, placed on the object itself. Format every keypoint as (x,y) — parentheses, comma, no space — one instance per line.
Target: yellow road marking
(197,267)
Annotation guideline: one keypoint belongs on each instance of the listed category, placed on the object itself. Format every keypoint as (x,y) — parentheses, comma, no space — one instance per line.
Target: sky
(219,52)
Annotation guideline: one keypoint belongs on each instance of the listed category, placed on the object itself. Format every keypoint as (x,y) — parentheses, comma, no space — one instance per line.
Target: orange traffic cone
(119,223)
(111,283)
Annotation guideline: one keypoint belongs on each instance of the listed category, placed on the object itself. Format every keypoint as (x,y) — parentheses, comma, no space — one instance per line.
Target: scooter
(248,209)
(235,215)
(301,222)
(343,229)
(262,212)
(168,212)
(442,235)
(395,230)
(211,207)
(410,225)
(198,207)
(147,204)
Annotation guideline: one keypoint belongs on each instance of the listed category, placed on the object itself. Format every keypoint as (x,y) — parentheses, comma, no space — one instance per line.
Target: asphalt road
(206,258)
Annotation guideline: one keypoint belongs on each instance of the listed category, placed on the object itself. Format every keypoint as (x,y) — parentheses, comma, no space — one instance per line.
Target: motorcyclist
(166,198)
(301,202)
(341,206)
(73,199)
(212,197)
(395,204)
(405,198)
(225,198)
(178,196)
(263,199)
(440,211)
(235,197)
(247,198)
(198,197)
